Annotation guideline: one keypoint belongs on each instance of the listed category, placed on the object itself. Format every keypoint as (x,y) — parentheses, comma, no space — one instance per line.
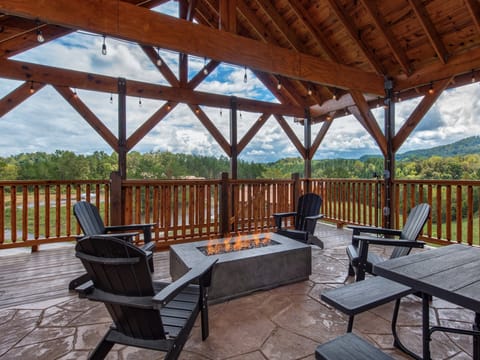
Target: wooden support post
(389,172)
(122,149)
(116,196)
(224,209)
(233,138)
(307,128)
(296,190)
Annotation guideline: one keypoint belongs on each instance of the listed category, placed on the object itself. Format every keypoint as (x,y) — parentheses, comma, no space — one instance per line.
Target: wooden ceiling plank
(473,7)
(164,69)
(291,135)
(384,30)
(429,28)
(418,114)
(212,129)
(252,131)
(307,20)
(319,138)
(17,96)
(132,23)
(88,115)
(23,71)
(259,27)
(192,6)
(367,119)
(148,125)
(348,24)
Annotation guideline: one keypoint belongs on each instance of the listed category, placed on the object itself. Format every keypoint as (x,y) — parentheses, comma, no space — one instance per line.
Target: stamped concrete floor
(284,323)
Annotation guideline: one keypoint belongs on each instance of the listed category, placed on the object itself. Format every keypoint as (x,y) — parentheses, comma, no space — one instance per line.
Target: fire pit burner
(239,273)
(235,244)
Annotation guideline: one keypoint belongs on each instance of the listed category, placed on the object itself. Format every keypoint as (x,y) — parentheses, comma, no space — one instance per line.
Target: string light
(139,101)
(75,93)
(205,70)
(334,96)
(40,37)
(159,59)
(197,110)
(473,76)
(169,106)
(309,90)
(431,90)
(104,46)
(279,85)
(32,89)
(245,79)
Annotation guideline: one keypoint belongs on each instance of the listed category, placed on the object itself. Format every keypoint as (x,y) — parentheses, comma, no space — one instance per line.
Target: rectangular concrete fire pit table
(242,272)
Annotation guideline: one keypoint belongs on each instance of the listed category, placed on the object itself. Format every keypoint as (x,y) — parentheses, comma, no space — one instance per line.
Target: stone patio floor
(283,323)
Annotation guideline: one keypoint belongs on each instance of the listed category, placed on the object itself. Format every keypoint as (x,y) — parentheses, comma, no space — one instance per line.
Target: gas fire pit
(245,263)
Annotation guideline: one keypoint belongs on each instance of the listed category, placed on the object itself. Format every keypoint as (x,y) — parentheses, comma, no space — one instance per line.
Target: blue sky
(46,122)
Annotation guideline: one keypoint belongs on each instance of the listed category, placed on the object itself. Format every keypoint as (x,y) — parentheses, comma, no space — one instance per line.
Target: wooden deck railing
(38,212)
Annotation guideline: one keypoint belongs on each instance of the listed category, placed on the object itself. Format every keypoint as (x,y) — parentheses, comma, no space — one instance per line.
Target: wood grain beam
(88,115)
(212,129)
(367,119)
(418,114)
(252,132)
(125,21)
(148,125)
(154,57)
(319,138)
(473,7)
(24,71)
(429,28)
(17,96)
(228,15)
(202,75)
(292,136)
(348,24)
(385,31)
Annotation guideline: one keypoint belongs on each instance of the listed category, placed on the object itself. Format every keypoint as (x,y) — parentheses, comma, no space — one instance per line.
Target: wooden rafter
(212,129)
(347,23)
(429,29)
(367,119)
(270,83)
(252,132)
(164,69)
(418,114)
(228,15)
(148,125)
(17,96)
(125,21)
(88,115)
(474,9)
(384,30)
(22,71)
(319,138)
(291,135)
(202,74)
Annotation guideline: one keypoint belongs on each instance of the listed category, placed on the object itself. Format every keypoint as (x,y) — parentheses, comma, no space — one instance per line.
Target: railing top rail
(439,182)
(170,182)
(51,182)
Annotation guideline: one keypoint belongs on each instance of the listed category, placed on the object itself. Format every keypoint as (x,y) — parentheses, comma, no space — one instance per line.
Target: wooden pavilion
(321,59)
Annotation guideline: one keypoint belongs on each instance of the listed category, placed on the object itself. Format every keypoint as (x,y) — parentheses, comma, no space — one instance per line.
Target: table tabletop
(451,273)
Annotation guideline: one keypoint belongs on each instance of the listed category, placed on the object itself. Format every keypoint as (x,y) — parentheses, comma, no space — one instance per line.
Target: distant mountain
(470,145)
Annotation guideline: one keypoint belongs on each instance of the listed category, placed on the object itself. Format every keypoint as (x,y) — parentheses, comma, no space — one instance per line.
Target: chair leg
(396,340)
(204,313)
(102,349)
(351,270)
(350,324)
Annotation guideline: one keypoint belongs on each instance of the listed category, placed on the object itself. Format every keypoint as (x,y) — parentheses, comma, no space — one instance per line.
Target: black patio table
(451,273)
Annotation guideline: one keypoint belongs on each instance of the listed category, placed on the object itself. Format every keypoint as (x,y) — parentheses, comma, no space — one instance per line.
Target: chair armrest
(390,242)
(197,272)
(124,236)
(148,247)
(85,288)
(279,216)
(314,217)
(145,228)
(357,229)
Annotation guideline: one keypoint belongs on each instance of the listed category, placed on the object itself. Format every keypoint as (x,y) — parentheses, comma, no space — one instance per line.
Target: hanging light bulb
(205,70)
(197,110)
(279,85)
(334,96)
(245,79)
(139,101)
(159,59)
(431,90)
(111,98)
(104,46)
(473,76)
(309,90)
(75,93)
(32,89)
(40,37)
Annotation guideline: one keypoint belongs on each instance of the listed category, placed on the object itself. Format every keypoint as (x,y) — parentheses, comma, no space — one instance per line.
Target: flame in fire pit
(235,244)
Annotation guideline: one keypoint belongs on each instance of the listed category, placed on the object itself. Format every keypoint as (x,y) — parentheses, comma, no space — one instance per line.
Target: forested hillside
(421,164)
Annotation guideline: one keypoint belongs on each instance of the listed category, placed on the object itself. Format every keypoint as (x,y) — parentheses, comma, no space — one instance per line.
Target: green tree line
(66,165)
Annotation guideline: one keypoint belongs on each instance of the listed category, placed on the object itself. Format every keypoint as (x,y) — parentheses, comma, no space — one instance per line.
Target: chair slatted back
(412,229)
(89,218)
(120,270)
(308,205)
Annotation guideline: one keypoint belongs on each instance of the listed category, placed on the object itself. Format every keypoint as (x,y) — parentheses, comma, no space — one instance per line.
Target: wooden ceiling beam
(252,131)
(163,68)
(24,71)
(17,96)
(319,138)
(125,21)
(474,9)
(212,129)
(228,15)
(348,24)
(88,115)
(291,135)
(384,30)
(418,114)
(202,74)
(367,119)
(429,28)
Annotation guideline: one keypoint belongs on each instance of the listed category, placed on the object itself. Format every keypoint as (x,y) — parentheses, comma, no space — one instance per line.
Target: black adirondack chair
(145,313)
(304,219)
(362,261)
(91,223)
